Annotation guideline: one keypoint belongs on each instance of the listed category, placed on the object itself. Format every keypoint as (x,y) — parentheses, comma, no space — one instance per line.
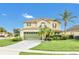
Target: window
(28,24)
(43,25)
(54,25)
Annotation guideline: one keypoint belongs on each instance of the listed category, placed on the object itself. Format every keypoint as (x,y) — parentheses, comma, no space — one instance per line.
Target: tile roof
(33,28)
(74,28)
(39,19)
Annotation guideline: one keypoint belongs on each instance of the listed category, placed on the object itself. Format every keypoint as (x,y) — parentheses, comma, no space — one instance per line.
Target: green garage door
(31,35)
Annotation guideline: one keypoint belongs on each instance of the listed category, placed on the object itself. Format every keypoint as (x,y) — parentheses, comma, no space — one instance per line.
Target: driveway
(18,47)
(26,44)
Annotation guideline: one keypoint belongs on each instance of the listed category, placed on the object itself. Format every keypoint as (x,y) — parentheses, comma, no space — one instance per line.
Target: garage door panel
(31,36)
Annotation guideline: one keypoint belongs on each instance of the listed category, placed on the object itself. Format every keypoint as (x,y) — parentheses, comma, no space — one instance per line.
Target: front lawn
(7,42)
(32,53)
(58,45)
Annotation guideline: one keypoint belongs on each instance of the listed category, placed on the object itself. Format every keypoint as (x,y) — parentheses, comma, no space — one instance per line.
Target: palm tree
(45,32)
(42,33)
(66,17)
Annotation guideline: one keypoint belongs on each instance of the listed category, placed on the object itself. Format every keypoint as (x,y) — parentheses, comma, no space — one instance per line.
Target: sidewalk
(53,52)
(8,51)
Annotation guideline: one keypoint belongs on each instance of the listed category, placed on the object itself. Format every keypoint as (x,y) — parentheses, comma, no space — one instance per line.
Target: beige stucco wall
(48,24)
(33,25)
(57,24)
(22,32)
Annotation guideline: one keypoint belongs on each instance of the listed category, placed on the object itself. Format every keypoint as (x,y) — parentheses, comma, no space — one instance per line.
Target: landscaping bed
(59,45)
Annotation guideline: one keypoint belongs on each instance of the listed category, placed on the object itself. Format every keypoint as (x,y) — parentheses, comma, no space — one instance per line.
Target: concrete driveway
(18,47)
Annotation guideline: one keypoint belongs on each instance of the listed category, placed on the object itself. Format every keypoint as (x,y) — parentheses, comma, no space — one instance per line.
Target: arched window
(43,25)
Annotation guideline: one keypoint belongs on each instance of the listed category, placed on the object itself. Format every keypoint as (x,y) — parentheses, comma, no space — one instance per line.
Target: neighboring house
(32,27)
(4,34)
(73,30)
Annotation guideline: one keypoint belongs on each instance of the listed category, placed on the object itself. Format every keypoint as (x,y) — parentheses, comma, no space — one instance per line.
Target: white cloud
(3,14)
(27,15)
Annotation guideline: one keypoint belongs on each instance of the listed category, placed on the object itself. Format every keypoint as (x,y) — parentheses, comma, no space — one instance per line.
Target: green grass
(32,53)
(58,45)
(6,42)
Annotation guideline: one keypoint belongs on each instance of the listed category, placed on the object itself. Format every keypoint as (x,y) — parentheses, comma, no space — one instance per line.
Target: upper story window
(43,25)
(54,25)
(28,24)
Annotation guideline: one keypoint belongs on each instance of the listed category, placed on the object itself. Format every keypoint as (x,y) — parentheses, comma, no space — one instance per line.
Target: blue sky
(13,15)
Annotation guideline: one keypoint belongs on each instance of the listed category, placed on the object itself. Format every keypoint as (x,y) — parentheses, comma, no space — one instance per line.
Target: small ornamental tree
(16,32)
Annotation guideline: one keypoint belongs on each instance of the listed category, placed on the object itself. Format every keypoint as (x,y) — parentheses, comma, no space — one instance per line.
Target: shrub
(76,37)
(71,37)
(56,37)
(16,39)
(64,37)
(48,38)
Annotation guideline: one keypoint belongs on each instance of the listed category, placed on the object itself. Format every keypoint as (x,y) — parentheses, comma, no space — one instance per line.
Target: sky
(12,15)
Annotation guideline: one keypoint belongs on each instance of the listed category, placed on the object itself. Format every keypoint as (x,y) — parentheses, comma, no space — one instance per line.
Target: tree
(9,34)
(66,17)
(2,30)
(16,32)
(42,33)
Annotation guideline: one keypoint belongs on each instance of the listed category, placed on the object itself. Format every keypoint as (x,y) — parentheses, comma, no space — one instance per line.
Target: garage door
(31,35)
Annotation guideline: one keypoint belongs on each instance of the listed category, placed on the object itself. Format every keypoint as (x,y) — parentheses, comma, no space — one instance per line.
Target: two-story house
(31,27)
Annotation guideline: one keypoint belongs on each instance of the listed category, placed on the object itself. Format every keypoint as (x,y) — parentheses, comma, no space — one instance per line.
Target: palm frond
(72,21)
(61,15)
(73,17)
